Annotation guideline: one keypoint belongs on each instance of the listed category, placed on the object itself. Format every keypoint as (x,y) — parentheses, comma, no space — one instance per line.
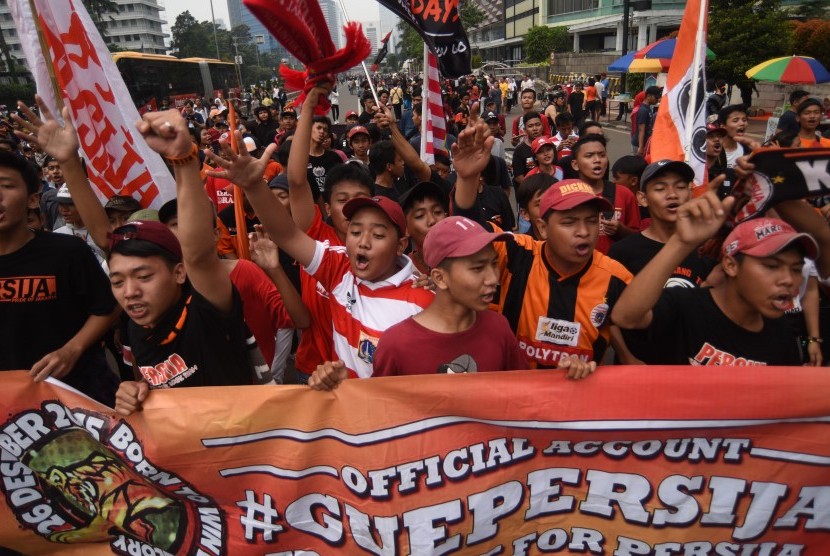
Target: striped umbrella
(664,49)
(790,69)
(630,64)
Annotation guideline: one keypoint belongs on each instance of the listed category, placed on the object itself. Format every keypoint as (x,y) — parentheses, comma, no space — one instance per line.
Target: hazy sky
(360,10)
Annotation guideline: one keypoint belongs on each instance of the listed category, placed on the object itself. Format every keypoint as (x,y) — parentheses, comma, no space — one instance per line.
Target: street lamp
(237,61)
(639,6)
(215,35)
(258,40)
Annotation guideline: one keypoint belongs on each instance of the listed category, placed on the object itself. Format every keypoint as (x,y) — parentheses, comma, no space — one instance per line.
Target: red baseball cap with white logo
(540,142)
(567,194)
(765,237)
(392,210)
(456,236)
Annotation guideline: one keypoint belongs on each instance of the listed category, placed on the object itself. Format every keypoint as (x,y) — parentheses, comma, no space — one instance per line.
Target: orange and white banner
(680,127)
(631,461)
(118,160)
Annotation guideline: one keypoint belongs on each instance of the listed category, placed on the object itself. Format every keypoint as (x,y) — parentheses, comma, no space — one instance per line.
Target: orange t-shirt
(590,93)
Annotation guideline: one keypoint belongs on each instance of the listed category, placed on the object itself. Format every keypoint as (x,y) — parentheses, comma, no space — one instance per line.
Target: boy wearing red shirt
(369,283)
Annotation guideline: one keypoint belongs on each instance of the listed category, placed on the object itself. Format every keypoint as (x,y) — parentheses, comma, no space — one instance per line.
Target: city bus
(153,77)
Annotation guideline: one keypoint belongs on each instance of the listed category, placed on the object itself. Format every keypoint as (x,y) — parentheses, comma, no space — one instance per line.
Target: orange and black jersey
(554,315)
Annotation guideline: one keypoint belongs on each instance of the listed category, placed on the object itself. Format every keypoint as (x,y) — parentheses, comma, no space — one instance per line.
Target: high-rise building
(136,26)
(239,15)
(372,31)
(331,12)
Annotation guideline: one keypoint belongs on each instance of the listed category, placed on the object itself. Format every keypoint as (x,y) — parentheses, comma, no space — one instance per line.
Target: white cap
(63,195)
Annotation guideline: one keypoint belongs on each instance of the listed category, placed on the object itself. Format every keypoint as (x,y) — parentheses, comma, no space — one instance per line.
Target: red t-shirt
(519,126)
(316,342)
(410,349)
(262,306)
(626,210)
(220,192)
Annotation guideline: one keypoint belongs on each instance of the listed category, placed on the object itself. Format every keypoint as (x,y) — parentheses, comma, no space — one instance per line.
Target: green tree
(744,33)
(189,37)
(471,15)
(411,44)
(540,41)
(812,38)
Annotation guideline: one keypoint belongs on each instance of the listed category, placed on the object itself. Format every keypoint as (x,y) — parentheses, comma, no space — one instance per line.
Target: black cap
(280,181)
(656,169)
(123,203)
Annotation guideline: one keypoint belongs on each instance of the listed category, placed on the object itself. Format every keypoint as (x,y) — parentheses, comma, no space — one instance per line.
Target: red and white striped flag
(433,124)
(118,160)
(680,127)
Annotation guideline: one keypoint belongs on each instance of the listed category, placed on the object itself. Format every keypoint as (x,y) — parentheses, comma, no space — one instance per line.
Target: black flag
(437,21)
(382,52)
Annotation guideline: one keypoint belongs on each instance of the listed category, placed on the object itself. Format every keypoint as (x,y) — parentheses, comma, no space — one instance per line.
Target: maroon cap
(567,194)
(147,230)
(357,129)
(540,142)
(351,113)
(456,236)
(765,237)
(392,210)
(714,129)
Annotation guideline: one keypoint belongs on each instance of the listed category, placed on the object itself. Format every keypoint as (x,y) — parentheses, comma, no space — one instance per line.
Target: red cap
(351,113)
(567,194)
(540,142)
(148,230)
(764,237)
(456,236)
(392,210)
(214,134)
(357,129)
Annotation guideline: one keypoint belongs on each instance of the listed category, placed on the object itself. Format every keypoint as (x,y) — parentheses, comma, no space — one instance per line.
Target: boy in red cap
(369,283)
(738,321)
(544,153)
(556,293)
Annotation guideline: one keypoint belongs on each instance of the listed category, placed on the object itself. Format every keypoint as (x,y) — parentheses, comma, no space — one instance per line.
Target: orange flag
(680,127)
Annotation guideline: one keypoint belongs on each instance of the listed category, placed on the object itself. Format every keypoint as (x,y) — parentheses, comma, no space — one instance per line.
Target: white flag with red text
(433,126)
(118,160)
(680,127)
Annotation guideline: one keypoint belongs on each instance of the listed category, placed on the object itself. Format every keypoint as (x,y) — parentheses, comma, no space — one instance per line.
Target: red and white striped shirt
(361,311)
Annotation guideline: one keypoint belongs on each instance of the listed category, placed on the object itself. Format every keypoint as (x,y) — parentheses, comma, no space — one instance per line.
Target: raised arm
(410,156)
(166,133)
(299,194)
(61,143)
(804,218)
(697,221)
(471,153)
(246,172)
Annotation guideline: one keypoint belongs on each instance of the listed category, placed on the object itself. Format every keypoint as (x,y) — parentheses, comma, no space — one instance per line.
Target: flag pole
(363,63)
(50,66)
(692,107)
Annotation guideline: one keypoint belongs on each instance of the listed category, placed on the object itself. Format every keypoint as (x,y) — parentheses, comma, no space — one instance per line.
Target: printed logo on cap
(768,229)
